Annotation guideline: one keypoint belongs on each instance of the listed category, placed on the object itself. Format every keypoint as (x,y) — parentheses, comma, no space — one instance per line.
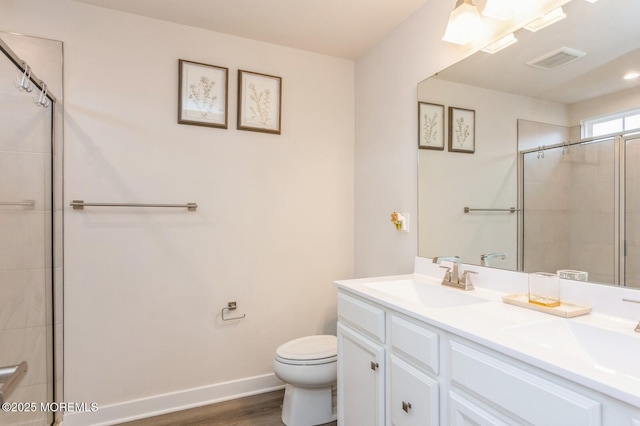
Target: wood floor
(258,410)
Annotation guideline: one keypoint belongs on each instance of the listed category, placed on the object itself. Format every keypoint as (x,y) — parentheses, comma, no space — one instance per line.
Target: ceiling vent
(557,58)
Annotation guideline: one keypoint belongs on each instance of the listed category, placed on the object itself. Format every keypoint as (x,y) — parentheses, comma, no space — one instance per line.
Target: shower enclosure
(29,269)
(581,204)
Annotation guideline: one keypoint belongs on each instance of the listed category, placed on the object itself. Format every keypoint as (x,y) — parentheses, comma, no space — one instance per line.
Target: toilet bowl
(308,366)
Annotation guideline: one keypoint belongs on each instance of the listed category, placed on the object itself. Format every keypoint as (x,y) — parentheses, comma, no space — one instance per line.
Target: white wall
(386,137)
(274,227)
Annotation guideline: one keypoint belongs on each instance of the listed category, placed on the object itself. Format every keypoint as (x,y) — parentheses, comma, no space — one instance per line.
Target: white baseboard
(175,401)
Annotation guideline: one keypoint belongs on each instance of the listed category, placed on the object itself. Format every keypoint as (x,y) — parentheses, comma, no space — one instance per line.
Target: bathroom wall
(274,227)
(614,102)
(386,136)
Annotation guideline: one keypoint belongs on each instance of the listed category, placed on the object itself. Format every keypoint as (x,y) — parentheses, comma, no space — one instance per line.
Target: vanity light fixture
(500,9)
(505,41)
(464,23)
(632,75)
(545,20)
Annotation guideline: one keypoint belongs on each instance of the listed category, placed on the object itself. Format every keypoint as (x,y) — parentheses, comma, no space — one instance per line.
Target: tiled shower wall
(25,249)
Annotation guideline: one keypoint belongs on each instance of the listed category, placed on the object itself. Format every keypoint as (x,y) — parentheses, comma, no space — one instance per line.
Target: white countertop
(503,327)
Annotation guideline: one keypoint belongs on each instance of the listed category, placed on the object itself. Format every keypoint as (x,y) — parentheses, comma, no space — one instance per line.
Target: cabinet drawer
(519,392)
(464,413)
(414,396)
(415,342)
(365,317)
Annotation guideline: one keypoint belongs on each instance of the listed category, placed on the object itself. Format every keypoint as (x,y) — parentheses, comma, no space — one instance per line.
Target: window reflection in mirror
(520,108)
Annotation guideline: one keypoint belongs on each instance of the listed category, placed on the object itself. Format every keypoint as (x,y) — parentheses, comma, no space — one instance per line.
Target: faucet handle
(466,278)
(637,329)
(447,274)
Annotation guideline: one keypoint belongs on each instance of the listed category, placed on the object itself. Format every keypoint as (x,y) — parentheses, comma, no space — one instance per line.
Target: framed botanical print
(430,126)
(202,94)
(259,102)
(462,130)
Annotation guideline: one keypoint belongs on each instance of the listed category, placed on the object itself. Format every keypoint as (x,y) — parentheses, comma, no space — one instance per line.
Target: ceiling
(609,33)
(343,28)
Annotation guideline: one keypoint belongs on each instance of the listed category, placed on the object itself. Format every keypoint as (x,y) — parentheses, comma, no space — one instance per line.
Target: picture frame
(430,126)
(203,93)
(462,130)
(259,102)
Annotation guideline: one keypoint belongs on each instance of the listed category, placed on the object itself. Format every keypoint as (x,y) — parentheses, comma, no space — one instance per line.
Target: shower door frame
(620,140)
(55,149)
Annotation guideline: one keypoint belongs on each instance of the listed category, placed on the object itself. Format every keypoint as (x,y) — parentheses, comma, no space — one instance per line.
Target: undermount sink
(427,295)
(608,351)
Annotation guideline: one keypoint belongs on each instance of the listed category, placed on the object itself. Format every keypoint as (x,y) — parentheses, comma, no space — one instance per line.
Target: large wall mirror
(507,166)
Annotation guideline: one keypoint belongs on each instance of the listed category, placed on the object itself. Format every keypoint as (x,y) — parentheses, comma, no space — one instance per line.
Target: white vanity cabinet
(394,369)
(387,367)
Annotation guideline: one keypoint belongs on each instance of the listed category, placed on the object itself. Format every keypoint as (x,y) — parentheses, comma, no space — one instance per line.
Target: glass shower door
(570,210)
(631,242)
(26,260)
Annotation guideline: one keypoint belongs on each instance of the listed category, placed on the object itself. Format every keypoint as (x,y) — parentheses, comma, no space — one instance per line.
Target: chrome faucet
(451,277)
(637,329)
(485,258)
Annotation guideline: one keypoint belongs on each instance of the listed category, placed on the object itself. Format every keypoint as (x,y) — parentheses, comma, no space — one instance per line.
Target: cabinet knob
(406,406)
(374,366)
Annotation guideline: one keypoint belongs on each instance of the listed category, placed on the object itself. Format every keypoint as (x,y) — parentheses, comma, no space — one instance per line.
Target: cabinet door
(414,396)
(360,380)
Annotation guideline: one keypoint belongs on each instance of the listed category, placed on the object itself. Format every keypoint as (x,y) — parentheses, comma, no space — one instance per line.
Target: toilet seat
(307,361)
(310,350)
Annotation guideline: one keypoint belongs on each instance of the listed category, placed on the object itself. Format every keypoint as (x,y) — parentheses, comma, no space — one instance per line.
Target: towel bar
(26,203)
(510,210)
(81,204)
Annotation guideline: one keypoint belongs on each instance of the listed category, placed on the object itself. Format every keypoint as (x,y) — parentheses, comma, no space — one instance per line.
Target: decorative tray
(566,310)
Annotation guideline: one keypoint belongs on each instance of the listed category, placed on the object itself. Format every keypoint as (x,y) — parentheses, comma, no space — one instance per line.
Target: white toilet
(308,366)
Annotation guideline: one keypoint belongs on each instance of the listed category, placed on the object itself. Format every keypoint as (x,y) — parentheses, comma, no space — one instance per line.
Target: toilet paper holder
(231,306)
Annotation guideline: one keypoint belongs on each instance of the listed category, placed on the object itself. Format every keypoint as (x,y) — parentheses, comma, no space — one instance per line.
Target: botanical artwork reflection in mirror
(576,203)
(462,130)
(430,126)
